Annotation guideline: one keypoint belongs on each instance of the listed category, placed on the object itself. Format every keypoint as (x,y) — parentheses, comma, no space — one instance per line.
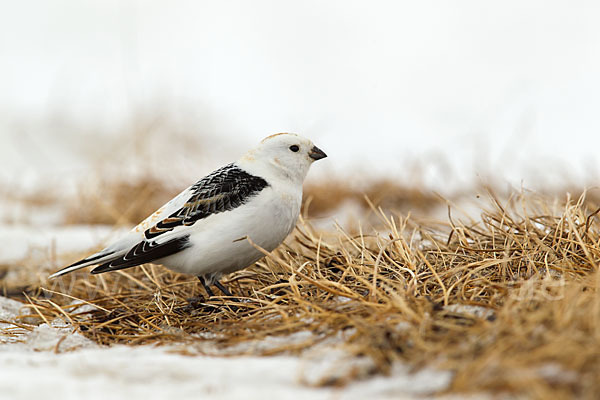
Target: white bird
(202,230)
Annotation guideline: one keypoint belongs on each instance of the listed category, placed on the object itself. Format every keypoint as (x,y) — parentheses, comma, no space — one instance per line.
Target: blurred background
(446,93)
(108,108)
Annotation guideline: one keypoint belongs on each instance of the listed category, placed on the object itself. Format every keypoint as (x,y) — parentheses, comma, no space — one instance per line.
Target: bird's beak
(316,153)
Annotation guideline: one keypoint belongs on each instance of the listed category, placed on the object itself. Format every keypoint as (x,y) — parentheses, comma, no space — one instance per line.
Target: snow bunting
(203,230)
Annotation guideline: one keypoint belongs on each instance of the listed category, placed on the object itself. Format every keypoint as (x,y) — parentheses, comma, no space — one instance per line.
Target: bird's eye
(294,148)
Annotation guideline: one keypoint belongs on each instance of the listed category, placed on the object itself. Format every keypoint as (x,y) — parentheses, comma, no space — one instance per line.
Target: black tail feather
(80,264)
(142,253)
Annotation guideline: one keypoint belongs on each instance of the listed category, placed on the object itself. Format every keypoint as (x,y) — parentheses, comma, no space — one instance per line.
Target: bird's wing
(167,231)
(223,190)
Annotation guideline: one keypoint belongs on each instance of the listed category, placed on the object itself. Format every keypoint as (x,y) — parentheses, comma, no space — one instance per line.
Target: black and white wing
(223,190)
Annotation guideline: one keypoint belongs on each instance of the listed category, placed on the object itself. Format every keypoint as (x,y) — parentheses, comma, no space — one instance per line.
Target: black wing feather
(144,252)
(223,190)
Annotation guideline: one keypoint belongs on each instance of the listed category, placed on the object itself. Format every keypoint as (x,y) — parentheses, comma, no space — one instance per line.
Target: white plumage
(203,230)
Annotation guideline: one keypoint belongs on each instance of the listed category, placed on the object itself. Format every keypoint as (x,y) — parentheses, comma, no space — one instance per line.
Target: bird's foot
(202,305)
(219,286)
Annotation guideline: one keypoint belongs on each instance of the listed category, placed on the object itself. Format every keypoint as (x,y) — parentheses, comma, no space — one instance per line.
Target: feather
(142,253)
(223,190)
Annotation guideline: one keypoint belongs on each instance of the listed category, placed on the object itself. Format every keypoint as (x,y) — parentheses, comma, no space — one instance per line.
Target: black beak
(316,153)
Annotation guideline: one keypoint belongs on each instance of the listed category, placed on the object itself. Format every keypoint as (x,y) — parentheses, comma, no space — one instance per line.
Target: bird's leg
(220,286)
(206,287)
(223,289)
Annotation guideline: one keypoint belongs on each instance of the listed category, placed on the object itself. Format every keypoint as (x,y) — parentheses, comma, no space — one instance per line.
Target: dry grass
(509,301)
(324,198)
(127,202)
(121,202)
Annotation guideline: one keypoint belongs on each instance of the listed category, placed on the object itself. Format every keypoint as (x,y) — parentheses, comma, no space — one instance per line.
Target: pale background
(464,89)
(441,93)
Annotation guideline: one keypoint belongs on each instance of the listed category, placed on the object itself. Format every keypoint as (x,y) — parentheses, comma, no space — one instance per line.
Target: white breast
(218,244)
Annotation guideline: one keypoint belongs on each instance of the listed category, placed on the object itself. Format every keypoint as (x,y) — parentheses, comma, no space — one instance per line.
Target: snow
(147,372)
(9,310)
(475,311)
(54,362)
(457,90)
(21,241)
(430,92)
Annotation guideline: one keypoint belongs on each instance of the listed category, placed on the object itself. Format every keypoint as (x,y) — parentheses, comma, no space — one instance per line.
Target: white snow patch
(136,372)
(9,310)
(476,311)
(57,337)
(54,362)
(21,241)
(52,338)
(15,211)
(554,372)
(403,380)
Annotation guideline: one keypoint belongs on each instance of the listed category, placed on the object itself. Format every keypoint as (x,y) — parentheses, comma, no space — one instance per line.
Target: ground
(499,298)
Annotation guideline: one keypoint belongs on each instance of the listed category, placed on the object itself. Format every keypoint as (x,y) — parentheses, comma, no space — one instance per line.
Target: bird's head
(282,155)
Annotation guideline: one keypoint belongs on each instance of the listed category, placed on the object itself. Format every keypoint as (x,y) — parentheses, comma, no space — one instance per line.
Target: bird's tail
(94,259)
